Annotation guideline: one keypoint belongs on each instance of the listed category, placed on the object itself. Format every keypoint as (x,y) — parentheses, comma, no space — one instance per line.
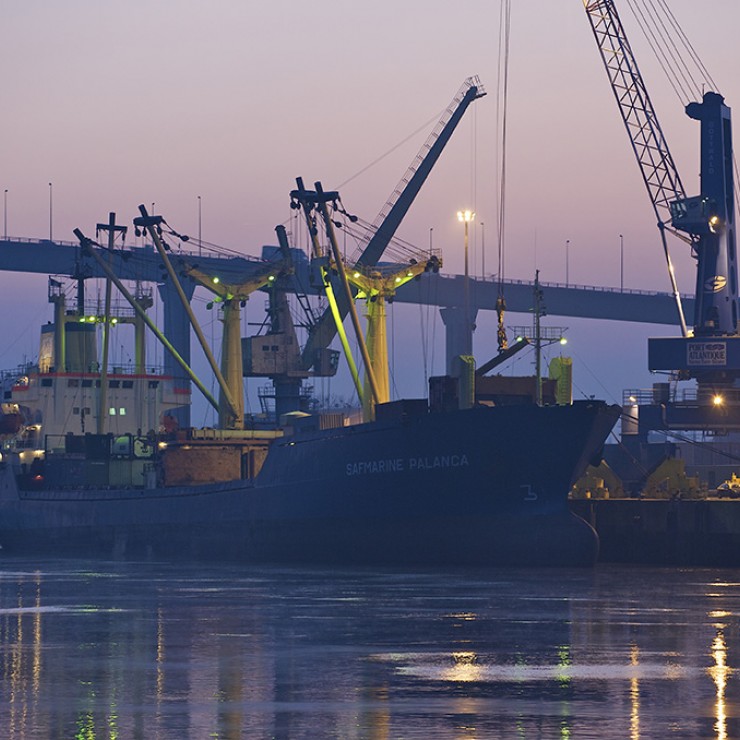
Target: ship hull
(485,486)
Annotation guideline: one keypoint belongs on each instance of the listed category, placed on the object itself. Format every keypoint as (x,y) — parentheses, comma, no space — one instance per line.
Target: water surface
(93,649)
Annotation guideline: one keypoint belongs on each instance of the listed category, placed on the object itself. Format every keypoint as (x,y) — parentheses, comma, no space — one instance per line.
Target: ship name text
(401,464)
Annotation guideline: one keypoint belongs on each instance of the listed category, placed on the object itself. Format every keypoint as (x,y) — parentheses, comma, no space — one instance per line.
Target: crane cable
(661,29)
(663,45)
(502,95)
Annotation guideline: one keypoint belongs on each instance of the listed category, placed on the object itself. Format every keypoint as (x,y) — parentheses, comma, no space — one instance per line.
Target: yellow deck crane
(232,296)
(377,287)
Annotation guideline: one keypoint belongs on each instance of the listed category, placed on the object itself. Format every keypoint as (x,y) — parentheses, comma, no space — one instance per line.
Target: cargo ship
(481,486)
(423,483)
(101,466)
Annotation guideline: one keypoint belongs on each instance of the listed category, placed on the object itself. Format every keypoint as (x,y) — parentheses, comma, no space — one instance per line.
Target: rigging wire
(502,97)
(687,44)
(664,34)
(424,328)
(379,159)
(664,49)
(500,166)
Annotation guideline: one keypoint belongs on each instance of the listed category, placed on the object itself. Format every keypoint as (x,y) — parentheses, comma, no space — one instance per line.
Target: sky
(163,101)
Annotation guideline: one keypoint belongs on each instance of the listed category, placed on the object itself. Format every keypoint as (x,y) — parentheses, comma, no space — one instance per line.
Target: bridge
(445,292)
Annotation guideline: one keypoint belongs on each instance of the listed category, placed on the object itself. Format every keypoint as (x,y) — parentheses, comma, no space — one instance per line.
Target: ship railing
(266,396)
(114,368)
(94,368)
(94,313)
(663,393)
(19,372)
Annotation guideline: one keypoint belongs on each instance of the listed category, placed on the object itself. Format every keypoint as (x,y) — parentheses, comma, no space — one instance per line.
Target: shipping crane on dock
(710,353)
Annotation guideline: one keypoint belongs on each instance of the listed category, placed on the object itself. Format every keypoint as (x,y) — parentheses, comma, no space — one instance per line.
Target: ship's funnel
(82,349)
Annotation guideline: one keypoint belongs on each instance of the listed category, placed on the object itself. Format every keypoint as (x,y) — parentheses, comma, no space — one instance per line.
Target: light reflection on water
(469,667)
(98,650)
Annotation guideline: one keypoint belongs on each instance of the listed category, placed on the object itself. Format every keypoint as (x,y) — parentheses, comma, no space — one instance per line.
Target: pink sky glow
(120,103)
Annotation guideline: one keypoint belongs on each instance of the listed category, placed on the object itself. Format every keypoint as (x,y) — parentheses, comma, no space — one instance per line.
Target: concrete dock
(665,531)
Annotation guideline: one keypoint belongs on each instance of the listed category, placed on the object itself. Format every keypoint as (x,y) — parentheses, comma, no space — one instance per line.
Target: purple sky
(120,103)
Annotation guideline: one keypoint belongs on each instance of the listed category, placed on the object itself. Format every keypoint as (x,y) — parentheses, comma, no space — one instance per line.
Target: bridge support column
(458,336)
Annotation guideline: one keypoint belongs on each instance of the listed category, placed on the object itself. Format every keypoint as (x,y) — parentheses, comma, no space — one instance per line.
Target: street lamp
(483,250)
(50,213)
(5,213)
(567,277)
(621,263)
(466,217)
(200,242)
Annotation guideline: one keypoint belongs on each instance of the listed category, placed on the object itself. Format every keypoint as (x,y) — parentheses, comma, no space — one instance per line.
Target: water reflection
(720,672)
(159,651)
(464,668)
(634,695)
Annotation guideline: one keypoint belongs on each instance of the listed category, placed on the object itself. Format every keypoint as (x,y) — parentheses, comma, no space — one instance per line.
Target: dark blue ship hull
(480,486)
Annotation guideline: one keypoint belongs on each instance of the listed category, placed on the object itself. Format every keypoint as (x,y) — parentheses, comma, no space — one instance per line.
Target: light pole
(621,263)
(483,250)
(5,213)
(466,217)
(50,213)
(567,276)
(200,243)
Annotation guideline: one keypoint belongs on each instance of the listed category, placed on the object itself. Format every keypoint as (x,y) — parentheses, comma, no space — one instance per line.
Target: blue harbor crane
(710,353)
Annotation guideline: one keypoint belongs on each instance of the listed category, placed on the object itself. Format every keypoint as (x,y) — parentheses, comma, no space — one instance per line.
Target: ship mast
(112,228)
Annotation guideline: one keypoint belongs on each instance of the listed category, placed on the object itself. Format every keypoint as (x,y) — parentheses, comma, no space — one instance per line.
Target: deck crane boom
(645,134)
(396,207)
